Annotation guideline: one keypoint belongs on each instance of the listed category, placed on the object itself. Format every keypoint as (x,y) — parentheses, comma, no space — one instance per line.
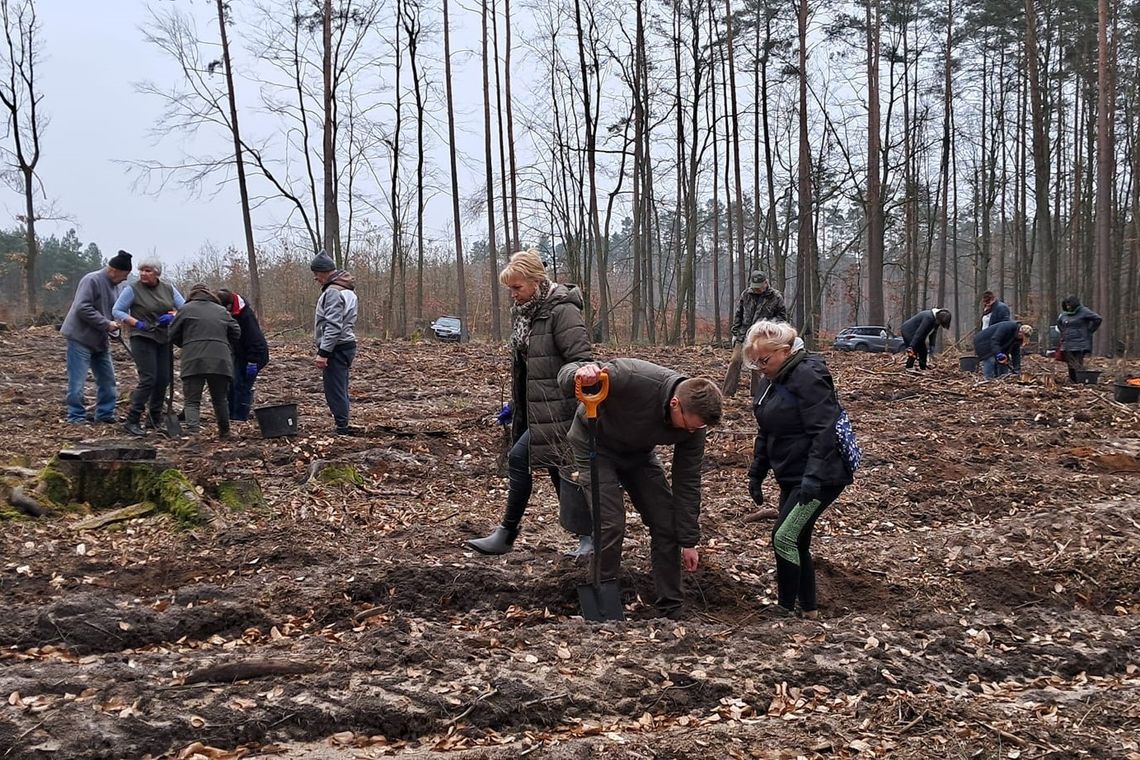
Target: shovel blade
(171,426)
(601,602)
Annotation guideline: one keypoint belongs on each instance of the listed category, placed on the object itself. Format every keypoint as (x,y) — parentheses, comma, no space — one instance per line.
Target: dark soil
(979,584)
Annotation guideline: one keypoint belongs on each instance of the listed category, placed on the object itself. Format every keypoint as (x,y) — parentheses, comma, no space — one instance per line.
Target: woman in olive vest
(148,305)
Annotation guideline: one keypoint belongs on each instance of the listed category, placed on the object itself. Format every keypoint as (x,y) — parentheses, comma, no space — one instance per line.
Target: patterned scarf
(521,315)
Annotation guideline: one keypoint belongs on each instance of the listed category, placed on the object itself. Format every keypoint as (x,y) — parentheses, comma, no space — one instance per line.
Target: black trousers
(152,360)
(791,538)
(920,353)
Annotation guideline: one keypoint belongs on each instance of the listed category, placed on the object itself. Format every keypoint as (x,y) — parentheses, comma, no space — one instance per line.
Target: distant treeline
(62,261)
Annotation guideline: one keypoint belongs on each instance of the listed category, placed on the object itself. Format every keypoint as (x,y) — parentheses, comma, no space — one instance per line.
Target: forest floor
(979,584)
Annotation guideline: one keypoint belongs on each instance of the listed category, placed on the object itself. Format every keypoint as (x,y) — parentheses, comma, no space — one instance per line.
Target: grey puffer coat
(558,336)
(205,331)
(1077,329)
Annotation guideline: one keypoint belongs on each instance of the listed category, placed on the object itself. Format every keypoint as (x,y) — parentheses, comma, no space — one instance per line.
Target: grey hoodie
(335,317)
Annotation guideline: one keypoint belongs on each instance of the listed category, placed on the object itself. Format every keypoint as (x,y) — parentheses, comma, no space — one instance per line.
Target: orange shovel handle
(592,400)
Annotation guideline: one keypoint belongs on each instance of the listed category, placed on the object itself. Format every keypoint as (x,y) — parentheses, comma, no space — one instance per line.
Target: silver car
(872,338)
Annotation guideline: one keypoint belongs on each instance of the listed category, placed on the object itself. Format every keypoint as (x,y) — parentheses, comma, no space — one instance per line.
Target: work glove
(506,414)
(1002,358)
(140,325)
(165,319)
(809,489)
(251,370)
(755,491)
(910,352)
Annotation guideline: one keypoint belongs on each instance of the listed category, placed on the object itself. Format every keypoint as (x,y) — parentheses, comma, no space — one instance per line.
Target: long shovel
(599,601)
(170,424)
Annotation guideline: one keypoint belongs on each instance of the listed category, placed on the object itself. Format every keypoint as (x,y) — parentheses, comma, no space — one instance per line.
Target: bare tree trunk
(730,22)
(492,255)
(397,285)
(805,256)
(412,28)
(944,170)
(511,126)
(715,184)
(332,231)
(1102,293)
(1043,232)
(21,98)
(636,233)
(875,307)
(510,245)
(456,219)
(243,188)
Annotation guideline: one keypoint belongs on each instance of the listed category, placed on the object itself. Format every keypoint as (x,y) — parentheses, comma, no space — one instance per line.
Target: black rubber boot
(499,542)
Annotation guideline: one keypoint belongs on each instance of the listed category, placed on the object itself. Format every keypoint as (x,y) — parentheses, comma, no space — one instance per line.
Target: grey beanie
(322,262)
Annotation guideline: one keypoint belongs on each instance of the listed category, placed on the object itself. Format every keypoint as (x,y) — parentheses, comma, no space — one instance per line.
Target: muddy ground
(979,585)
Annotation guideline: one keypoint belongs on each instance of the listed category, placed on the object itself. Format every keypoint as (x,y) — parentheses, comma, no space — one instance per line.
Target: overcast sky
(93,55)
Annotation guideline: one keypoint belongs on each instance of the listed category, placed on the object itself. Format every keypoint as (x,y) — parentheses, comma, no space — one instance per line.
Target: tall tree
(239,162)
(21,97)
(876,312)
(806,255)
(412,32)
(1043,235)
(461,284)
(492,257)
(1105,160)
(328,163)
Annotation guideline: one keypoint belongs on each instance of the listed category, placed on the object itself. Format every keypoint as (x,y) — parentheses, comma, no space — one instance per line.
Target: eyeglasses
(760,362)
(685,420)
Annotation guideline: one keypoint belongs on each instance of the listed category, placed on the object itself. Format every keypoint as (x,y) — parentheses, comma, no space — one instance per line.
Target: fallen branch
(241,671)
(470,707)
(119,515)
(26,504)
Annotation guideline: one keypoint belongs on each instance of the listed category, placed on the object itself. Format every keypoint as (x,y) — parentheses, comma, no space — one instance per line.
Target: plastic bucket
(968,363)
(277,420)
(1126,393)
(1087,376)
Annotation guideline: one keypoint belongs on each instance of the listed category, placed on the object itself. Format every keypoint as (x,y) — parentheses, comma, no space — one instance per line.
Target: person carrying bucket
(646,406)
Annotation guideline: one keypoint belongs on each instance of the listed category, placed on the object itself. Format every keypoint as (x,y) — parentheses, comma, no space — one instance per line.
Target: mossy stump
(240,495)
(106,475)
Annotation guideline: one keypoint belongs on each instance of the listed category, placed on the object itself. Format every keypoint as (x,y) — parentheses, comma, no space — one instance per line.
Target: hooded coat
(334,320)
(1077,329)
(1000,338)
(558,336)
(205,331)
(922,326)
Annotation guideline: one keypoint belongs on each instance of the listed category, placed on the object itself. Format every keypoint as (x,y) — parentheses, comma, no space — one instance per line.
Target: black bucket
(277,420)
(1087,376)
(1125,393)
(968,363)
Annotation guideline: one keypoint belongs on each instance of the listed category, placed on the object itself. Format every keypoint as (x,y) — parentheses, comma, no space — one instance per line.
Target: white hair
(151,262)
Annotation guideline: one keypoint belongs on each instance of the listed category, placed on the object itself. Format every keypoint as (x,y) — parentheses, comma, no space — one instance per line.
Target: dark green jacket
(558,335)
(633,420)
(205,331)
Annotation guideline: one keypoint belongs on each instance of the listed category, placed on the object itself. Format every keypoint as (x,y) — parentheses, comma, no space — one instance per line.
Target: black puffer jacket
(796,413)
(998,339)
(252,347)
(558,336)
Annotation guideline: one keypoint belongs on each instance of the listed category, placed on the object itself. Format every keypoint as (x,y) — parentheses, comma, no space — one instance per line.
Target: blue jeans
(991,368)
(80,359)
(241,394)
(335,377)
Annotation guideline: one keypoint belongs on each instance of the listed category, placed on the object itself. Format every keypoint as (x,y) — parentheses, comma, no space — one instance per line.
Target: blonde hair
(527,264)
(1026,330)
(766,334)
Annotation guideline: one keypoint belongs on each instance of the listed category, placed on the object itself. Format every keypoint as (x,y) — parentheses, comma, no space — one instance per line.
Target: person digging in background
(796,411)
(251,354)
(993,310)
(334,323)
(547,332)
(1077,324)
(148,306)
(647,406)
(919,334)
(998,348)
(88,327)
(760,301)
(205,331)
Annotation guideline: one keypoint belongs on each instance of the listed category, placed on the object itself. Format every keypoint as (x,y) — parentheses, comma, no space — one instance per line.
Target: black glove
(809,489)
(755,491)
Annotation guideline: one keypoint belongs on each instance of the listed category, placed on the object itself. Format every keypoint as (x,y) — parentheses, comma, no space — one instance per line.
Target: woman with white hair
(796,410)
(147,305)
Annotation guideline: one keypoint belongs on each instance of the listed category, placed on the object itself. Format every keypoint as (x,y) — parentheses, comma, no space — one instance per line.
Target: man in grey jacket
(647,406)
(87,327)
(333,326)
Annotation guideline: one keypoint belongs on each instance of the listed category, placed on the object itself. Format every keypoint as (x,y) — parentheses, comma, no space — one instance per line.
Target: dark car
(873,338)
(448,329)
